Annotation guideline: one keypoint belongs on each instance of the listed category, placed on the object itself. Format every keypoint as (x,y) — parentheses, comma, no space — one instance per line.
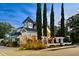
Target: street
(58,51)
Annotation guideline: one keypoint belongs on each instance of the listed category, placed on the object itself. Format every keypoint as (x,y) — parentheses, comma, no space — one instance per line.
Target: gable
(28,19)
(29,23)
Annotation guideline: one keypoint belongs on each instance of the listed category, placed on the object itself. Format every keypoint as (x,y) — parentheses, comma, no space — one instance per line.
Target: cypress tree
(62,21)
(45,20)
(39,21)
(52,22)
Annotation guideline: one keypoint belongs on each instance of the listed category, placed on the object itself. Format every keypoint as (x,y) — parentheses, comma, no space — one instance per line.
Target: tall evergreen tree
(52,22)
(39,21)
(62,21)
(45,20)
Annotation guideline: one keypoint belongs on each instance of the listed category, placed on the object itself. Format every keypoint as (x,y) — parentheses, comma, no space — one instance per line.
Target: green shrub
(15,44)
(4,42)
(9,43)
(74,38)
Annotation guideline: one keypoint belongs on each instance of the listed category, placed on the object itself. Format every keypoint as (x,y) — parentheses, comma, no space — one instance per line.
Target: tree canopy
(73,24)
(4,29)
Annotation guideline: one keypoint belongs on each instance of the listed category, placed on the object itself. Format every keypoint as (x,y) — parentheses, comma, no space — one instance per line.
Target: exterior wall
(31,33)
(25,24)
(13,38)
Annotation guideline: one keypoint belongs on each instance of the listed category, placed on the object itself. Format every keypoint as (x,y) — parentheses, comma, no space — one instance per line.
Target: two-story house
(29,27)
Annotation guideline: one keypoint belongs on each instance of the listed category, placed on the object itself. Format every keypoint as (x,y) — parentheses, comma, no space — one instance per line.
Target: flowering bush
(32,44)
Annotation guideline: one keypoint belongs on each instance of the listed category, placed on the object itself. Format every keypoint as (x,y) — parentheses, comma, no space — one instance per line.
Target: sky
(16,13)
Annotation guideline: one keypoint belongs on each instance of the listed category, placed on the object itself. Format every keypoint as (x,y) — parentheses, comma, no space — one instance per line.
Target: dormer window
(30,25)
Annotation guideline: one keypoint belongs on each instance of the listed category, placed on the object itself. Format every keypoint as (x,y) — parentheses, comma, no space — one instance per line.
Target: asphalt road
(57,51)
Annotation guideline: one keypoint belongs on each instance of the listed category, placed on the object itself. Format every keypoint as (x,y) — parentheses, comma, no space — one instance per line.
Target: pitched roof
(28,19)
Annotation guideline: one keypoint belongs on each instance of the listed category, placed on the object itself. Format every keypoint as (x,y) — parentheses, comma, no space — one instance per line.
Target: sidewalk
(60,47)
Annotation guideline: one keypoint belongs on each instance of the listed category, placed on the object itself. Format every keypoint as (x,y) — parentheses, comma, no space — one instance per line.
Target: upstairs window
(30,25)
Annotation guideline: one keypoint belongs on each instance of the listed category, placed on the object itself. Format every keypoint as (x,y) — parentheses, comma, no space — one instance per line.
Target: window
(30,25)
